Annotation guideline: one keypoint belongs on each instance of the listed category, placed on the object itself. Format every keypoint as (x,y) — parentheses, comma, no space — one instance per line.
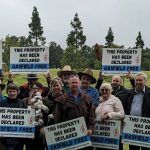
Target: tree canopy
(36,30)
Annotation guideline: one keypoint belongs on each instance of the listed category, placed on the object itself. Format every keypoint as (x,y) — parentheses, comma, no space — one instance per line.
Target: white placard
(106,134)
(67,135)
(29,59)
(17,122)
(136,131)
(117,61)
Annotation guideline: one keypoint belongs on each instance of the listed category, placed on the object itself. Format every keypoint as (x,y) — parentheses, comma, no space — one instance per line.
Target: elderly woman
(110,107)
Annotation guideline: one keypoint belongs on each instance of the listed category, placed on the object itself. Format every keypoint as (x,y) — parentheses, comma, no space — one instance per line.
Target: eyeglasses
(104,90)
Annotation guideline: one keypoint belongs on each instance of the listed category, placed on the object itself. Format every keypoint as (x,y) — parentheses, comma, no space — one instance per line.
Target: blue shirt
(136,106)
(94,94)
(77,98)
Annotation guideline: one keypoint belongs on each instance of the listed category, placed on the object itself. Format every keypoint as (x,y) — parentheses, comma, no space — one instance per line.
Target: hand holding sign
(89,132)
(105,117)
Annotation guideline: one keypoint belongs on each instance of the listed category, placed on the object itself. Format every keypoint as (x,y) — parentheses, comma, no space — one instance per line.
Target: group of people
(71,96)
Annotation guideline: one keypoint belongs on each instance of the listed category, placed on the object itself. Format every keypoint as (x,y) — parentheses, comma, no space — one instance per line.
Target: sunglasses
(105,90)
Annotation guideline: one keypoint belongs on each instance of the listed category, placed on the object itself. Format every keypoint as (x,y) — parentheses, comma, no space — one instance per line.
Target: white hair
(107,86)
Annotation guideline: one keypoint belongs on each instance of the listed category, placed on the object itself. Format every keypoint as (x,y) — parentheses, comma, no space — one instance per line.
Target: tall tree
(139,41)
(76,38)
(36,33)
(109,38)
(55,55)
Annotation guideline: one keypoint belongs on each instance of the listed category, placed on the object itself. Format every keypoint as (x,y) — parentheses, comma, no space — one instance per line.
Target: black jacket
(15,103)
(145,105)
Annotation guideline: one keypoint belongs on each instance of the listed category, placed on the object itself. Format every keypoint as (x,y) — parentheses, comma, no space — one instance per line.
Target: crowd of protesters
(71,96)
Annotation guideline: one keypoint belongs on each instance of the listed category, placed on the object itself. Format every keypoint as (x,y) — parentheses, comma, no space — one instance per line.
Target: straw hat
(66,69)
(89,73)
(2,85)
(31,76)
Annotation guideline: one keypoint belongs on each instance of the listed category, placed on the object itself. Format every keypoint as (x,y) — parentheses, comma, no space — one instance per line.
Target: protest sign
(17,122)
(29,59)
(136,131)
(67,135)
(106,134)
(117,61)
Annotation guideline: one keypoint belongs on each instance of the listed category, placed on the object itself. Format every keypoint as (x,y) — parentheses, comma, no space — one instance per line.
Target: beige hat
(66,69)
(88,72)
(2,85)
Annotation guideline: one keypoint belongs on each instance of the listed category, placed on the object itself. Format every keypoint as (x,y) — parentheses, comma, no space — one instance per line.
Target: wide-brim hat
(2,85)
(66,69)
(89,73)
(31,76)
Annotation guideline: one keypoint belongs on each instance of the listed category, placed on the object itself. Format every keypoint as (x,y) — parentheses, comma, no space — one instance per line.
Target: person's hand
(129,75)
(100,75)
(42,131)
(89,132)
(10,76)
(47,76)
(105,117)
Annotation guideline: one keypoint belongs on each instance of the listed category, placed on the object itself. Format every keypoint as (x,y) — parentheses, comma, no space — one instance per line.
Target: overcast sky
(126,17)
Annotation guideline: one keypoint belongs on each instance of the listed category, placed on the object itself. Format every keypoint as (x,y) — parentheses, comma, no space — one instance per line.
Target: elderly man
(87,79)
(138,102)
(65,74)
(25,89)
(74,104)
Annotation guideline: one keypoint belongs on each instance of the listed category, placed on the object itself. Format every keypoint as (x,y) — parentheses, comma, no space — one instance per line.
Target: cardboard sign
(67,135)
(29,59)
(117,61)
(106,134)
(17,122)
(136,131)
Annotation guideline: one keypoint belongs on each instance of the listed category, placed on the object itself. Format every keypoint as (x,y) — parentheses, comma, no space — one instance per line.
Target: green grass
(19,79)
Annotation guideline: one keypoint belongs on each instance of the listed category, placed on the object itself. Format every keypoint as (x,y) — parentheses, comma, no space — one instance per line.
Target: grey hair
(107,86)
(142,74)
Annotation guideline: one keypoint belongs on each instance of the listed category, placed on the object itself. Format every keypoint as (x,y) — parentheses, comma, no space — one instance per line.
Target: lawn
(19,79)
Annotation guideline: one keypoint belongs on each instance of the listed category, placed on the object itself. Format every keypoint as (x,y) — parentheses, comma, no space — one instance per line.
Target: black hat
(31,76)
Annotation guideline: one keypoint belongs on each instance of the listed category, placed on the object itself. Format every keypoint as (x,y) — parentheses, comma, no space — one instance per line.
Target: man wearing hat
(2,87)
(87,78)
(65,74)
(25,89)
